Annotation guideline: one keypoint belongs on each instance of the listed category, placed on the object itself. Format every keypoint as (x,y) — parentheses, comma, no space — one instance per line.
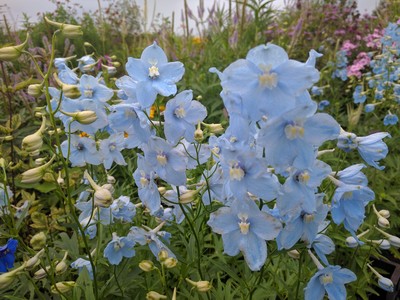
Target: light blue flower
(371,147)
(167,162)
(323,104)
(86,63)
(82,151)
(245,229)
(118,248)
(305,226)
(110,149)
(272,81)
(147,188)
(390,119)
(66,75)
(369,108)
(90,88)
(348,204)
(123,209)
(330,280)
(182,114)
(215,185)
(153,238)
(291,139)
(323,245)
(358,95)
(82,263)
(244,172)
(154,75)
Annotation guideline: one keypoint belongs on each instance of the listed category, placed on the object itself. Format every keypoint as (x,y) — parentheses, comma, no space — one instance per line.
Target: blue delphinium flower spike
(7,255)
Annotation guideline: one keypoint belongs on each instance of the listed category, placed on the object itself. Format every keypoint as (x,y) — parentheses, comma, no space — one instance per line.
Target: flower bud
(351,242)
(383,222)
(60,180)
(102,198)
(384,213)
(40,161)
(41,273)
(68,30)
(7,278)
(294,254)
(214,128)
(34,261)
(61,267)
(36,174)
(13,52)
(386,284)
(83,117)
(163,255)
(108,186)
(201,286)
(170,262)
(38,241)
(110,179)
(162,190)
(146,265)
(35,90)
(188,196)
(152,295)
(32,142)
(62,287)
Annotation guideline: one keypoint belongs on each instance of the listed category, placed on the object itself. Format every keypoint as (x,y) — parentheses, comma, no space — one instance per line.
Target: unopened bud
(102,198)
(84,117)
(294,254)
(386,284)
(36,174)
(8,138)
(170,262)
(198,133)
(351,242)
(41,273)
(38,241)
(61,267)
(35,90)
(214,128)
(152,295)
(162,190)
(188,196)
(108,186)
(13,52)
(60,180)
(384,213)
(40,161)
(163,255)
(383,222)
(34,261)
(201,286)
(68,30)
(146,265)
(62,287)
(7,278)
(32,142)
(110,179)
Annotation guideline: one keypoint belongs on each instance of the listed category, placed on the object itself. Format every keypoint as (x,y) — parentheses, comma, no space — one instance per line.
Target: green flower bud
(152,295)
(36,174)
(35,90)
(201,286)
(68,30)
(13,52)
(34,261)
(146,265)
(61,267)
(7,278)
(62,287)
(38,241)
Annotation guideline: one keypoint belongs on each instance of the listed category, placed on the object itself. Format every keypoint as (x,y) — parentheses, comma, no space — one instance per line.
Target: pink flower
(348,47)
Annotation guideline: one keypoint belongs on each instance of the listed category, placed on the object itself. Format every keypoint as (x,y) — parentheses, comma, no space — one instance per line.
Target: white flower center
(88,92)
(118,245)
(326,278)
(308,218)
(236,172)
(303,177)
(294,131)
(243,224)
(268,79)
(180,112)
(144,181)
(153,72)
(162,159)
